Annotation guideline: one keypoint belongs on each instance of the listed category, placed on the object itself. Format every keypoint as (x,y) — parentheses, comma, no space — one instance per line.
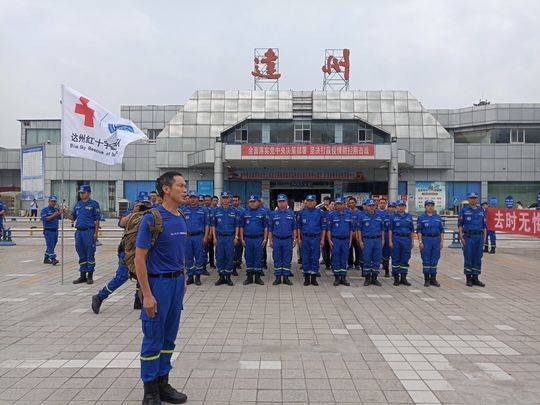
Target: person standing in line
(339,230)
(355,253)
(282,239)
(310,225)
(400,232)
(370,233)
(238,248)
(430,231)
(386,250)
(253,235)
(50,216)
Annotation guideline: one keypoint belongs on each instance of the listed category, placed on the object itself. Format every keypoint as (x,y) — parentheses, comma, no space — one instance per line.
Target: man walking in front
(160,272)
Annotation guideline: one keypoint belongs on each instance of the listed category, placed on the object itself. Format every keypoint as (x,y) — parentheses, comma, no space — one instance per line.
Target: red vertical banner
(521,222)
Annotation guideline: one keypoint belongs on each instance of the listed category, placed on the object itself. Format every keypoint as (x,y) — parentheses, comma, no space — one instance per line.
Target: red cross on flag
(92,132)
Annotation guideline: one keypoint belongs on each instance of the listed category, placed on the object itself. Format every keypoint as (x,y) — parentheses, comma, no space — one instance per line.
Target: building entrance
(296,191)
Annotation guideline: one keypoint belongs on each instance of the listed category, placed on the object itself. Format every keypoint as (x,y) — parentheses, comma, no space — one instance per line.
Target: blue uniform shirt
(46,212)
(282,223)
(311,221)
(226,220)
(168,252)
(401,223)
(430,224)
(86,213)
(371,225)
(386,217)
(254,221)
(340,223)
(472,219)
(2,208)
(197,218)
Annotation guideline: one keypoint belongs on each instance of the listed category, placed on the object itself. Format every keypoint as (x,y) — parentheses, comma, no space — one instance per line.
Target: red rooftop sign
(277,150)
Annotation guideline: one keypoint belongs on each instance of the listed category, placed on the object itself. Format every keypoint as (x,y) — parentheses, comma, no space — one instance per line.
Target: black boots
(198,279)
(343,280)
(337,281)
(190,280)
(167,393)
(249,279)
(228,280)
(386,272)
(477,282)
(314,280)
(221,280)
(81,279)
(492,250)
(54,262)
(396,279)
(89,278)
(433,280)
(427,282)
(307,279)
(151,393)
(258,279)
(96,303)
(137,304)
(469,280)
(374,281)
(287,281)
(46,261)
(277,281)
(485,248)
(234,272)
(404,280)
(386,267)
(367,281)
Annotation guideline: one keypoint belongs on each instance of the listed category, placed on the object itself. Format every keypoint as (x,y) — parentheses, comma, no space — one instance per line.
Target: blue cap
(224,194)
(340,200)
(53,198)
(193,194)
(429,202)
(142,196)
(472,194)
(484,203)
(254,197)
(311,197)
(282,197)
(369,201)
(391,204)
(85,188)
(400,202)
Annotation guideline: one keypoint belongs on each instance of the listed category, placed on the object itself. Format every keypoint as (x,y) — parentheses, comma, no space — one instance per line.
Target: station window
(302,132)
(517,135)
(241,134)
(365,135)
(35,136)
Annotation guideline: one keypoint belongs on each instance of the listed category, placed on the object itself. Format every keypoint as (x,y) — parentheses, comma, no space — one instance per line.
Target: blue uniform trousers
(195,252)
(225,254)
(401,254)
(310,251)
(472,253)
(340,254)
(254,254)
(51,239)
(431,254)
(386,251)
(372,256)
(282,255)
(492,239)
(121,276)
(86,249)
(159,332)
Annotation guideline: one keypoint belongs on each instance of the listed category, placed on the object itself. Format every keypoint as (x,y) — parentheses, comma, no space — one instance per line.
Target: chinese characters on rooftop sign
(336,69)
(266,69)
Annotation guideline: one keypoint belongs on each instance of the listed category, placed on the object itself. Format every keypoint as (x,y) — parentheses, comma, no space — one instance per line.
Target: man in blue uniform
(326,208)
(50,216)
(226,228)
(198,225)
(355,253)
(430,231)
(386,250)
(491,236)
(310,223)
(3,211)
(400,230)
(253,235)
(370,231)
(238,248)
(339,227)
(281,239)
(472,233)
(160,271)
(86,215)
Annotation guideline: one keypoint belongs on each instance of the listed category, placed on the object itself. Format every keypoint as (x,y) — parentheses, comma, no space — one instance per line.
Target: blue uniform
(491,238)
(402,227)
(50,231)
(254,222)
(165,264)
(473,222)
(372,227)
(282,224)
(197,219)
(2,208)
(225,221)
(386,252)
(238,248)
(432,229)
(355,252)
(311,223)
(340,225)
(86,214)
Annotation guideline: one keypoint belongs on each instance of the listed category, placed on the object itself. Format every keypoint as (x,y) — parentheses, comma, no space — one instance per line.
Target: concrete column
(393,177)
(218,167)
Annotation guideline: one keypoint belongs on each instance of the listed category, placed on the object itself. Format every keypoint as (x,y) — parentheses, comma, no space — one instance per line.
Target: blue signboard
(205,187)
(493,201)
(32,173)
(509,202)
(455,201)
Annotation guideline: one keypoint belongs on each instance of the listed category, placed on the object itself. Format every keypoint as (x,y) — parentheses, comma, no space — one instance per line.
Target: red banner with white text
(522,222)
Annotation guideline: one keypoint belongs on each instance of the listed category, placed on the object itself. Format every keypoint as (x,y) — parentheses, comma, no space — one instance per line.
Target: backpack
(127,244)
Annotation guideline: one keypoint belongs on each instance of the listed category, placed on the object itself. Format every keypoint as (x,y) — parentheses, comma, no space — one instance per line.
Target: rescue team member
(209,247)
(281,239)
(86,215)
(472,234)
(160,271)
(370,233)
(400,230)
(238,248)
(310,227)
(326,208)
(355,253)
(3,212)
(253,236)
(491,237)
(226,228)
(339,228)
(430,231)
(50,216)
(386,249)
(198,225)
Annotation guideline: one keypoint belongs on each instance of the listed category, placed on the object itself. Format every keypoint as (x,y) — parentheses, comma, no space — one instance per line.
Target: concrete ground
(279,344)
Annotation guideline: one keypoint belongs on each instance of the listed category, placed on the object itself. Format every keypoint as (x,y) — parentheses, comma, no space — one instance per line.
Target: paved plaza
(279,344)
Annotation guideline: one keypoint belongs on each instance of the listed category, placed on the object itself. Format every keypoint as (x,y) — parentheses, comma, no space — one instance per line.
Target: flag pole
(62,186)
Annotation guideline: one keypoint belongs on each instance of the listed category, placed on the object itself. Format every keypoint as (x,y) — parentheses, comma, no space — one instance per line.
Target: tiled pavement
(267,344)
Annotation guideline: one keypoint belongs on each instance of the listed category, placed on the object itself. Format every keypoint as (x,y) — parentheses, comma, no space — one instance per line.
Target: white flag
(90,131)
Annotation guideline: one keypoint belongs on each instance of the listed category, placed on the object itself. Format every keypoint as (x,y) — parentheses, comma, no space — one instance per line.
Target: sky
(447,53)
